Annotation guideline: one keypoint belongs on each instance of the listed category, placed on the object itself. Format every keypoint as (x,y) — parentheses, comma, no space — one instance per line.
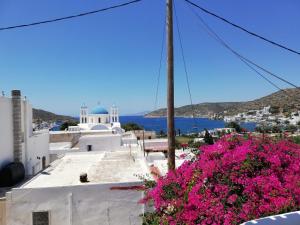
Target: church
(98,119)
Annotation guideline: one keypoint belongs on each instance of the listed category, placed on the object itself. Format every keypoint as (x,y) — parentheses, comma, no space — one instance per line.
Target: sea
(186,125)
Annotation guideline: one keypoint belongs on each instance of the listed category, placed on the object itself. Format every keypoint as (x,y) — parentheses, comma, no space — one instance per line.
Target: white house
(18,142)
(58,196)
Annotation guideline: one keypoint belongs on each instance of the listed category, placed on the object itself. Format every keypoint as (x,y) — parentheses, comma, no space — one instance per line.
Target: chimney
(17,130)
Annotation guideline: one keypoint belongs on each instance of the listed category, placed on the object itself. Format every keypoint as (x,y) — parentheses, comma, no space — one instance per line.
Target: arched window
(99,120)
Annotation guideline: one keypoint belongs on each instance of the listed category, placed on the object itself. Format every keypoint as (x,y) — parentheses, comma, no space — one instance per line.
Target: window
(99,120)
(40,218)
(89,148)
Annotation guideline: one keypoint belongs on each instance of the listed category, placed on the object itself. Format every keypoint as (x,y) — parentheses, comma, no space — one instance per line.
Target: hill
(42,115)
(284,101)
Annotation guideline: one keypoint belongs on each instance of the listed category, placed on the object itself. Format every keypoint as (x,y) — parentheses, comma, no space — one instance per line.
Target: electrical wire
(185,66)
(245,60)
(159,68)
(68,17)
(243,29)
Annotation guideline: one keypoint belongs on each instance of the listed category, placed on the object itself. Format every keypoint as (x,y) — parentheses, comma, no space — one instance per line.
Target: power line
(243,29)
(68,17)
(184,64)
(245,60)
(160,66)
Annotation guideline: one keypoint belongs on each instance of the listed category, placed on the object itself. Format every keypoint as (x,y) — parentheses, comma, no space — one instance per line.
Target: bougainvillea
(235,180)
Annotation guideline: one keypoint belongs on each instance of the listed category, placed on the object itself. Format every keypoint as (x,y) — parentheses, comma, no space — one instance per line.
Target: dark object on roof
(83,178)
(12,174)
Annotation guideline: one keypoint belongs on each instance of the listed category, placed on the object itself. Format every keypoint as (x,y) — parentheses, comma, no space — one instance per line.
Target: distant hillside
(282,101)
(39,114)
(138,114)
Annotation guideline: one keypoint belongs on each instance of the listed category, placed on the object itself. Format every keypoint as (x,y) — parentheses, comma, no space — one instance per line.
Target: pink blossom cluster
(235,180)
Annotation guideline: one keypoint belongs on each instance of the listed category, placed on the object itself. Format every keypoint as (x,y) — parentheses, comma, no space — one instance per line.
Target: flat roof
(101,167)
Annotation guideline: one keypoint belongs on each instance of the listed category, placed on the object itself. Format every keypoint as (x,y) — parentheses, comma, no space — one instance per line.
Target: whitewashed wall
(38,146)
(77,205)
(6,131)
(33,146)
(101,142)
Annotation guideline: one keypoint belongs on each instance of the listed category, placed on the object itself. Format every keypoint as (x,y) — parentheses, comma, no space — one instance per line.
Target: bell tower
(114,114)
(83,114)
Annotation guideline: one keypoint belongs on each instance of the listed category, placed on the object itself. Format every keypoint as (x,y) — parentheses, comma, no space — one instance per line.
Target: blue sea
(186,125)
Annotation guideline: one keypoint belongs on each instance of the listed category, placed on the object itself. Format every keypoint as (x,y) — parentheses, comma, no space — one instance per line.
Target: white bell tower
(114,114)
(84,114)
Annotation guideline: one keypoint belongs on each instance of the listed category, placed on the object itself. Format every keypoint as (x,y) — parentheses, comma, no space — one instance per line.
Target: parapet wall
(64,136)
(90,204)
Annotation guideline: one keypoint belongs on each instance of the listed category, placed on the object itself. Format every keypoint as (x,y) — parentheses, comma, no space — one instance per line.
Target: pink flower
(230,182)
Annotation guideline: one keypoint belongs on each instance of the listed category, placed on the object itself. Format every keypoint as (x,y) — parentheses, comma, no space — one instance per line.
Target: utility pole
(170,88)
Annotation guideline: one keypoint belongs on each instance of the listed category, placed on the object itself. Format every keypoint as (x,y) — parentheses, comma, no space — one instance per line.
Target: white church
(98,119)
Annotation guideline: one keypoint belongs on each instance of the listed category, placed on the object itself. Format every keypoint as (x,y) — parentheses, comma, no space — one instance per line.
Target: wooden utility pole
(170,83)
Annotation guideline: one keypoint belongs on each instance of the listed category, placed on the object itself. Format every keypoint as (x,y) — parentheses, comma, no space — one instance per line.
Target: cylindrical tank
(17,124)
(12,174)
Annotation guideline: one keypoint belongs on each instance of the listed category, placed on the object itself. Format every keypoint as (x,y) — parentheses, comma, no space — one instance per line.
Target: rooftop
(101,167)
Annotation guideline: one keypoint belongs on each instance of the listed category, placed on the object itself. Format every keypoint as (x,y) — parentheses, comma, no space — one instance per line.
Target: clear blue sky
(113,57)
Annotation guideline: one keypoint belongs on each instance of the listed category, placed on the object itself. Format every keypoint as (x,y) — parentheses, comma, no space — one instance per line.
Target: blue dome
(99,110)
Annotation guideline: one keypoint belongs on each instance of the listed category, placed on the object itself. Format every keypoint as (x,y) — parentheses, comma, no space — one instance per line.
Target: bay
(186,125)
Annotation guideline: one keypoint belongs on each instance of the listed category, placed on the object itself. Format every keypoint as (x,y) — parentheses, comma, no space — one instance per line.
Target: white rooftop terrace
(101,167)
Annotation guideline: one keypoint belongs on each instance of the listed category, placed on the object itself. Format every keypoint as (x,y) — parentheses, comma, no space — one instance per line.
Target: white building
(98,119)
(58,197)
(18,142)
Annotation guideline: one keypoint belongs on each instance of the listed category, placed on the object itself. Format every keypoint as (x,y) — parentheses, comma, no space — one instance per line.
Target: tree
(291,128)
(274,109)
(162,133)
(276,129)
(234,125)
(131,126)
(208,139)
(66,125)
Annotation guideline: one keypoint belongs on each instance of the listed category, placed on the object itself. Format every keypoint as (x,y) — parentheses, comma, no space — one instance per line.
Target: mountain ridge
(284,101)
(43,115)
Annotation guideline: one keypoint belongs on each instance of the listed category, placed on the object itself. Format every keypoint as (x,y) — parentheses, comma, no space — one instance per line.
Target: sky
(113,57)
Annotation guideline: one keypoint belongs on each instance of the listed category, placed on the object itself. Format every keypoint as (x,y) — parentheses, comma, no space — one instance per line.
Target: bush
(230,182)
(131,126)
(66,125)
(234,125)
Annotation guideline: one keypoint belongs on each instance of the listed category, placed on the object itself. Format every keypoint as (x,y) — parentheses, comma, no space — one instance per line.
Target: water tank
(12,174)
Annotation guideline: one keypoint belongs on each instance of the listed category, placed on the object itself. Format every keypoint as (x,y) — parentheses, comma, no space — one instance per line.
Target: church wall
(93,118)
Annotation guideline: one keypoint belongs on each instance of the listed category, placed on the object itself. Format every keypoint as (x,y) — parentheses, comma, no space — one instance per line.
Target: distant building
(98,119)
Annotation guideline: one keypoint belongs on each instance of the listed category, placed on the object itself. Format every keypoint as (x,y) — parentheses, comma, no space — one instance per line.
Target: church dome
(99,110)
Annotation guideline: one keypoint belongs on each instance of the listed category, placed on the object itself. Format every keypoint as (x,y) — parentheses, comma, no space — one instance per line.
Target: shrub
(66,125)
(234,125)
(232,181)
(131,126)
